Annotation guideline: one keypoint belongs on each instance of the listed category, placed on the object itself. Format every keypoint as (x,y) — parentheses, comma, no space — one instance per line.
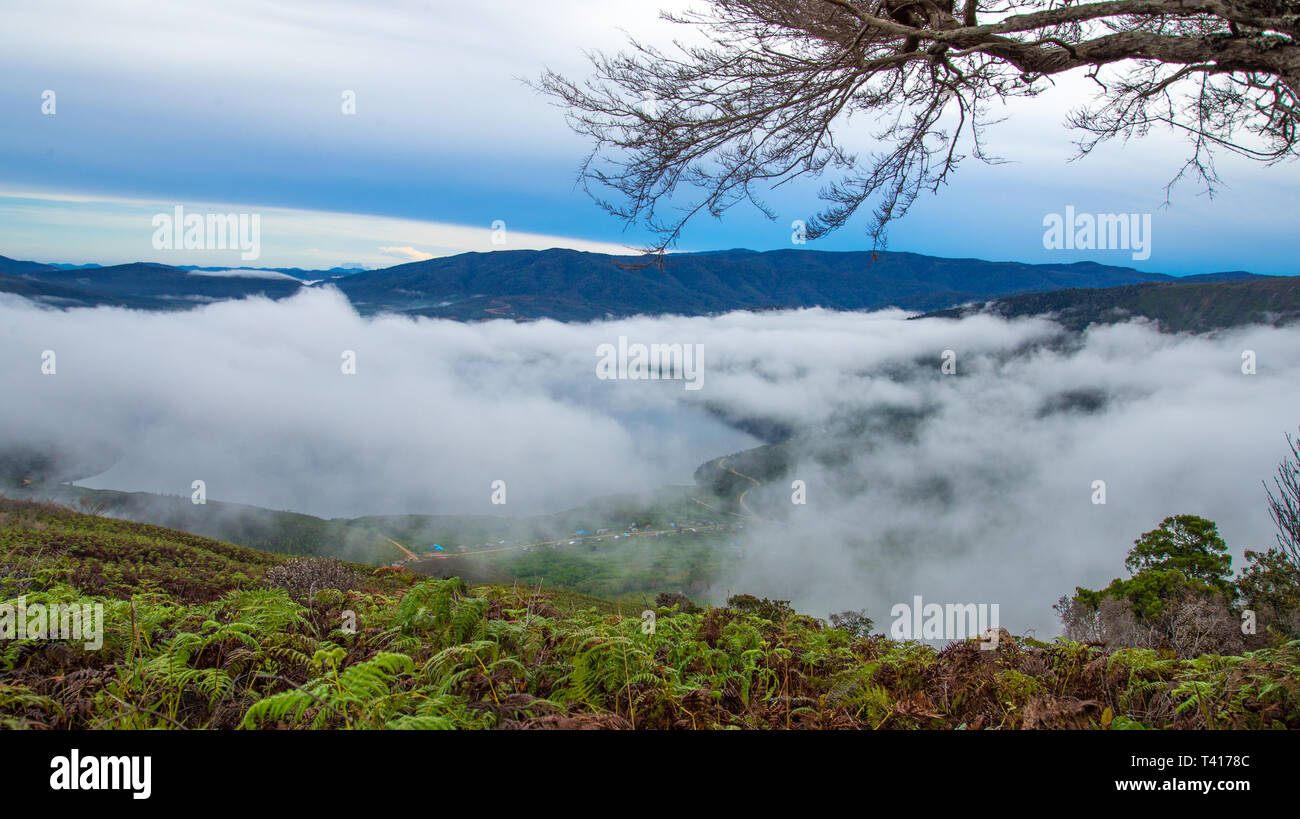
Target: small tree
(1179,593)
(856,623)
(1270,586)
(1269,580)
(683,603)
(1201,625)
(1284,507)
(1185,543)
(1102,619)
(775,610)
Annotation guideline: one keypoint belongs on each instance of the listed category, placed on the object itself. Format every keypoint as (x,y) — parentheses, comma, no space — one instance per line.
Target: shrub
(304,576)
(666,600)
(1199,625)
(856,623)
(774,610)
(1270,586)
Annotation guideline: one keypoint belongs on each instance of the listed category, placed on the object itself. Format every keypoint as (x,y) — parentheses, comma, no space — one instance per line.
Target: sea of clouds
(988,497)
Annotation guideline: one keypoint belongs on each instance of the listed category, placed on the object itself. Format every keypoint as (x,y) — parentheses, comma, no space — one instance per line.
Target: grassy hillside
(202,634)
(617,566)
(43,543)
(269,530)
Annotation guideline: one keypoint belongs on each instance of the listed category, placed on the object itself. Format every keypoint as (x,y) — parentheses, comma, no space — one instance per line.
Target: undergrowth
(197,636)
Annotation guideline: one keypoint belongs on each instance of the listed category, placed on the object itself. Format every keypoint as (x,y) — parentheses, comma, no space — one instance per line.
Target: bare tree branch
(764,99)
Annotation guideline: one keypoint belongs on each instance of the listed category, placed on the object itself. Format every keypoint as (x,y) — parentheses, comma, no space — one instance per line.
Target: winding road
(723,465)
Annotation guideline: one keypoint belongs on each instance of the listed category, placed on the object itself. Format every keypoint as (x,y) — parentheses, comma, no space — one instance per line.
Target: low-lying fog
(988,499)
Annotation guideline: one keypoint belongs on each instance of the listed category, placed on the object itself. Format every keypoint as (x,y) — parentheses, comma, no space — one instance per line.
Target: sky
(238,107)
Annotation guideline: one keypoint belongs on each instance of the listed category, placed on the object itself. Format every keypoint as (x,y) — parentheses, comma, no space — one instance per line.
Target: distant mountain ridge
(574,285)
(141,285)
(569,285)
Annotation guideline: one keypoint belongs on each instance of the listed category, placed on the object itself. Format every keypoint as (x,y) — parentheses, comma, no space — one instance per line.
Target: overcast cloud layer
(989,501)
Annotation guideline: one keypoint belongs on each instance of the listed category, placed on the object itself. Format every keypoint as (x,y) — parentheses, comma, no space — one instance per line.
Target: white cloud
(244,273)
(986,499)
(123,232)
(409,254)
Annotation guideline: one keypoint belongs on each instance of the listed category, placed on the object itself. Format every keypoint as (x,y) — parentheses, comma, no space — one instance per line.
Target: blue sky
(237,106)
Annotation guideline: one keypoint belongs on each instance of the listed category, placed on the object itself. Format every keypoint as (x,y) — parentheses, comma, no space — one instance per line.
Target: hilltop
(1193,307)
(573,285)
(568,285)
